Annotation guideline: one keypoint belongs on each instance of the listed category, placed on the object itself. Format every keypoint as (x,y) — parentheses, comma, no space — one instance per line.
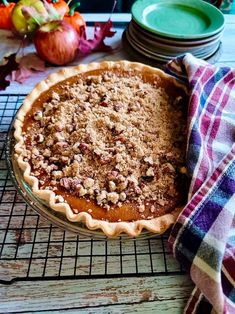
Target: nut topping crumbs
(110,138)
(149,160)
(39,138)
(141,208)
(58,174)
(122,196)
(88,182)
(112,186)
(150,172)
(113,197)
(38,115)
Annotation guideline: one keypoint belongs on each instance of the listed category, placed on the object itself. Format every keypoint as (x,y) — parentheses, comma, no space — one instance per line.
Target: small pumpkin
(5,14)
(74,18)
(60,5)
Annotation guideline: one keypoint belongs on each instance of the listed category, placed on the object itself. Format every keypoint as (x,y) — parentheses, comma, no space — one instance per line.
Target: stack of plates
(164,29)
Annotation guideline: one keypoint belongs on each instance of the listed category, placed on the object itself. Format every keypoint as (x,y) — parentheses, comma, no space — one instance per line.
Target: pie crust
(156,224)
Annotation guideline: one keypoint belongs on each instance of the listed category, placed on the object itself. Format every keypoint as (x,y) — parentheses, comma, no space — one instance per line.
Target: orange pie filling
(110,143)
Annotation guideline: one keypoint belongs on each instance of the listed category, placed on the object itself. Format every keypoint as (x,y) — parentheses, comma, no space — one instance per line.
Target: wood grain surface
(117,295)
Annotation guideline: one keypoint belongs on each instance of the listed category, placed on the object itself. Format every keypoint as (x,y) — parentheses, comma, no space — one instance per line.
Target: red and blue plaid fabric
(203,237)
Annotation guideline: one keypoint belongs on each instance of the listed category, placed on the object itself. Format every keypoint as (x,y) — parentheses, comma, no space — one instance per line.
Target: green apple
(25,23)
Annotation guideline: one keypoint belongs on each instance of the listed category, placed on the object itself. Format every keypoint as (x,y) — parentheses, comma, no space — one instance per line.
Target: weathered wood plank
(147,307)
(169,291)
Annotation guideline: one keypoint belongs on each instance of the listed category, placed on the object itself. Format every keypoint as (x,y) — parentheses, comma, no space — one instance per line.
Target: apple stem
(73,8)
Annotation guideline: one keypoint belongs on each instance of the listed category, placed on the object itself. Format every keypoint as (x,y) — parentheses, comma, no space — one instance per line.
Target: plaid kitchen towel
(203,238)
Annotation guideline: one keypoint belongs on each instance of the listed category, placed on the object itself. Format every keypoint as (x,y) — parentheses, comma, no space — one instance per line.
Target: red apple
(56,42)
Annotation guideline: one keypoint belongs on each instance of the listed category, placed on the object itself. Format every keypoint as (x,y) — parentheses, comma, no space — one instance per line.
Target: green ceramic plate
(185,19)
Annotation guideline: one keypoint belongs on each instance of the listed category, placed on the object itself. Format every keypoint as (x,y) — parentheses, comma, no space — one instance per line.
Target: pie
(105,144)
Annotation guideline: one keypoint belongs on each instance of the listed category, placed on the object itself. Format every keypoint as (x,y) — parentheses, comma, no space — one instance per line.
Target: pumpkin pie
(105,144)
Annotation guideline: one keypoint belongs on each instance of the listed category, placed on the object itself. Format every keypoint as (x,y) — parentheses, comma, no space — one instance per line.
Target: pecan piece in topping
(39,138)
(122,185)
(78,157)
(59,126)
(76,148)
(161,202)
(59,136)
(70,183)
(105,159)
(35,151)
(69,128)
(112,175)
(84,148)
(61,145)
(103,104)
(49,141)
(65,159)
(64,182)
(58,174)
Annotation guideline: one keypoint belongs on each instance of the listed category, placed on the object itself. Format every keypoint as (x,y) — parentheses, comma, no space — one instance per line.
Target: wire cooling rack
(33,249)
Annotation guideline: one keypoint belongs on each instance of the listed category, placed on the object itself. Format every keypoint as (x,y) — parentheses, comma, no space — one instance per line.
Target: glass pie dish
(56,218)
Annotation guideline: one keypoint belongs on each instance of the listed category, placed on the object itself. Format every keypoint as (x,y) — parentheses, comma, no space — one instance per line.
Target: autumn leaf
(101,31)
(6,69)
(51,11)
(28,65)
(41,17)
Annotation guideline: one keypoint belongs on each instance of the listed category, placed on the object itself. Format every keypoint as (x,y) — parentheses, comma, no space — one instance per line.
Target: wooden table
(44,269)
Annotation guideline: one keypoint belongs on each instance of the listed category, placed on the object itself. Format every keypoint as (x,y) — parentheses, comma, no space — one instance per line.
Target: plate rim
(169,41)
(155,43)
(165,58)
(138,7)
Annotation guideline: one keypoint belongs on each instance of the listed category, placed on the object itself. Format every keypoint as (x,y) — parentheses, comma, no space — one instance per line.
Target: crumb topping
(110,138)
